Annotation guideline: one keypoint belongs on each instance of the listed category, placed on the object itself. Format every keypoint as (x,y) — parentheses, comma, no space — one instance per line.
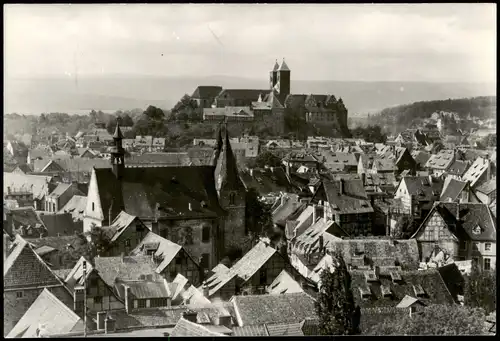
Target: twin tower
(280,80)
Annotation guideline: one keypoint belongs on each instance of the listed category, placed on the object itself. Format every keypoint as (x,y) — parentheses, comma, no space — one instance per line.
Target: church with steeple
(201,208)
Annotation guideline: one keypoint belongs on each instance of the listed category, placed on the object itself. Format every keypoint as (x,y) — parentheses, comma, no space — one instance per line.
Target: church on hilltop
(199,207)
(268,107)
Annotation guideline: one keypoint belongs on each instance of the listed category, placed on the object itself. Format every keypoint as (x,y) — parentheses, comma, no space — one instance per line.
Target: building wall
(355,224)
(129,239)
(93,210)
(271,269)
(402,193)
(14,308)
(184,265)
(226,292)
(436,232)
(485,198)
(99,296)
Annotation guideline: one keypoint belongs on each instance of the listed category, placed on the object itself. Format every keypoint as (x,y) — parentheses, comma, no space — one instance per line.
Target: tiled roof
(245,268)
(309,240)
(434,289)
(282,329)
(46,316)
(421,157)
(37,184)
(300,157)
(120,224)
(164,159)
(188,328)
(62,273)
(380,252)
(75,277)
(186,293)
(383,164)
(325,263)
(128,268)
(407,301)
(165,249)
(57,242)
(24,268)
(344,158)
(25,216)
(174,188)
(442,160)
(458,167)
(268,309)
(43,153)
(284,283)
(243,94)
(147,289)
(254,330)
(266,181)
(346,196)
(76,207)
(453,190)
(206,92)
(488,186)
(373,316)
(290,204)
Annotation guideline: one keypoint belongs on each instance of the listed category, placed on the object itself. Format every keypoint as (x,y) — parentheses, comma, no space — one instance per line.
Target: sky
(361,42)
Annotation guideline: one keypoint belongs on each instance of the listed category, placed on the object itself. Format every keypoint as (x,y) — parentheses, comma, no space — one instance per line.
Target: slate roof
(130,268)
(488,187)
(351,199)
(309,240)
(140,189)
(57,243)
(245,268)
(407,302)
(78,165)
(422,188)
(119,225)
(76,207)
(435,290)
(25,168)
(269,309)
(421,157)
(24,268)
(165,159)
(47,316)
(188,328)
(296,225)
(206,92)
(336,157)
(185,293)
(283,66)
(383,164)
(442,160)
(300,157)
(471,215)
(25,216)
(284,283)
(60,224)
(42,153)
(290,204)
(62,273)
(453,190)
(243,94)
(145,289)
(266,180)
(379,252)
(165,250)
(458,168)
(36,184)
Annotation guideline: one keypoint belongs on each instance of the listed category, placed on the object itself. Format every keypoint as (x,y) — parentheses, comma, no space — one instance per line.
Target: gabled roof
(453,190)
(242,94)
(283,66)
(266,181)
(488,187)
(453,279)
(276,66)
(421,157)
(165,249)
(206,92)
(284,283)
(126,268)
(407,301)
(75,277)
(47,316)
(36,184)
(120,224)
(282,329)
(269,309)
(345,196)
(288,205)
(188,328)
(76,207)
(254,330)
(57,242)
(244,269)
(24,268)
(458,168)
(309,240)
(422,187)
(60,224)
(25,216)
(185,293)
(145,289)
(60,190)
(164,159)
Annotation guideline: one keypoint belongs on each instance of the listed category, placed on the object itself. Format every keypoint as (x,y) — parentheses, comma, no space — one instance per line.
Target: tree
(154,113)
(186,109)
(99,241)
(82,248)
(267,159)
(480,289)
(257,215)
(335,306)
(405,227)
(437,146)
(433,320)
(126,120)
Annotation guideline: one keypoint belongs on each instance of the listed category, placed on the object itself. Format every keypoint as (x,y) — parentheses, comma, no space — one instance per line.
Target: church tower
(273,79)
(231,193)
(118,153)
(283,82)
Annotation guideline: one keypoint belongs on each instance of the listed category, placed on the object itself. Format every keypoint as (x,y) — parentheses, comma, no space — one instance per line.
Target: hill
(399,118)
(123,92)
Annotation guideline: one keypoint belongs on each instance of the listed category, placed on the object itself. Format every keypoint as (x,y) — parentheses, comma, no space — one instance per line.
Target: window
(487,264)
(93,207)
(487,247)
(205,235)
(475,246)
(97,299)
(205,258)
(53,207)
(141,303)
(127,242)
(19,294)
(232,198)
(463,245)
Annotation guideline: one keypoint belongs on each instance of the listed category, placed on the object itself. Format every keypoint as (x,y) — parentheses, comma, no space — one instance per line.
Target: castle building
(199,207)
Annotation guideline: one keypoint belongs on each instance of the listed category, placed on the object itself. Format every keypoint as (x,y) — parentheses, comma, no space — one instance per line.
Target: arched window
(232,196)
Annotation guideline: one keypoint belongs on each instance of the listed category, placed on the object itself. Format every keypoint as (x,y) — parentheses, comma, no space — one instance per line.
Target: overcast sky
(420,42)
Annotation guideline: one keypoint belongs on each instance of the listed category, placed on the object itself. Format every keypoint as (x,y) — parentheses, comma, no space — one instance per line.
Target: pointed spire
(226,170)
(118,133)
(276,66)
(283,66)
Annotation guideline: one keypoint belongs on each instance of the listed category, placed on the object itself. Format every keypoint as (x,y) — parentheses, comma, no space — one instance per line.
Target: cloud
(352,42)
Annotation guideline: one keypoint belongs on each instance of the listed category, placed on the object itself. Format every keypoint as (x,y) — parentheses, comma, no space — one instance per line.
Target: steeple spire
(226,170)
(276,65)
(117,153)
(283,66)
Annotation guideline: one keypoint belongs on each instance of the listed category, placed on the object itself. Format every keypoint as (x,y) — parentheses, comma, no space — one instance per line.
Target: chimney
(430,179)
(225,320)
(251,171)
(109,325)
(206,291)
(458,213)
(127,299)
(101,317)
(321,243)
(341,186)
(122,256)
(314,213)
(191,316)
(190,207)
(272,169)
(363,178)
(8,190)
